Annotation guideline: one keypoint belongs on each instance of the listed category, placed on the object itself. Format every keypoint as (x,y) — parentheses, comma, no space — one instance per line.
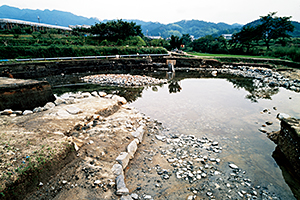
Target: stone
(95,94)
(121,187)
(59,101)
(269,123)
(134,196)
(97,182)
(74,110)
(17,112)
(262,130)
(139,133)
(123,159)
(27,112)
(117,169)
(6,112)
(126,197)
(283,116)
(131,149)
(160,137)
(120,100)
(233,166)
(38,109)
(86,94)
(49,106)
(102,94)
(147,197)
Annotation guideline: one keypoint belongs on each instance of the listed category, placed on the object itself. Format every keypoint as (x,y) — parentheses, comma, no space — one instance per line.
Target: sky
(167,11)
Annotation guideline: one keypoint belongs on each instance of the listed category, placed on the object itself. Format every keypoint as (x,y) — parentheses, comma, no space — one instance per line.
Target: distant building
(154,37)
(80,26)
(8,24)
(227,36)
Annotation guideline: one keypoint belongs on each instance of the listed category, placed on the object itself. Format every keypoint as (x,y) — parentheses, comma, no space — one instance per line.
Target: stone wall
(19,94)
(288,141)
(43,69)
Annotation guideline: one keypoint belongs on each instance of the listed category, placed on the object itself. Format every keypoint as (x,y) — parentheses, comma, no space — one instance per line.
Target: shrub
(11,52)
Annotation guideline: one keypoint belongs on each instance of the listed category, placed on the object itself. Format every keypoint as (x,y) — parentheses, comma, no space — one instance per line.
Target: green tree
(175,42)
(186,39)
(116,30)
(273,27)
(246,36)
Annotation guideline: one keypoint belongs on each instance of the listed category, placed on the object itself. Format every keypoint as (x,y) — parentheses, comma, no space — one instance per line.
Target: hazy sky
(166,11)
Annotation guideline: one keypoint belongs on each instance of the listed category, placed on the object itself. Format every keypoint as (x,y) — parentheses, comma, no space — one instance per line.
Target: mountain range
(197,28)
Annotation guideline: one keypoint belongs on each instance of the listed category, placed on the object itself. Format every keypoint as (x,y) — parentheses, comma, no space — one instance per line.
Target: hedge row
(73,51)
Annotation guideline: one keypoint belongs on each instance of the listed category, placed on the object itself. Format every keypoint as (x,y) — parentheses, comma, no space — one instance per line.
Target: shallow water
(225,111)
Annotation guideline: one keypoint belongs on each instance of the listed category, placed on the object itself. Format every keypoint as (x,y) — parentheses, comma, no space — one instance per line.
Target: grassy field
(228,55)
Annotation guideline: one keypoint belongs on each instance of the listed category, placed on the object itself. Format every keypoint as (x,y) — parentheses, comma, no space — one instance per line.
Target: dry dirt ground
(57,155)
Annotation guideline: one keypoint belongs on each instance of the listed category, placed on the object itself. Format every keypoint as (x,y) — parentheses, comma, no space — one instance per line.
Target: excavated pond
(219,126)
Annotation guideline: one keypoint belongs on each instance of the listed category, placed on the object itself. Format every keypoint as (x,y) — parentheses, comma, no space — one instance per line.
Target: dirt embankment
(35,147)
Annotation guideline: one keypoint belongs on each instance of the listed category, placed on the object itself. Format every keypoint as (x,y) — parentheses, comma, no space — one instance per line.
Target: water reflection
(287,172)
(174,86)
(72,83)
(256,89)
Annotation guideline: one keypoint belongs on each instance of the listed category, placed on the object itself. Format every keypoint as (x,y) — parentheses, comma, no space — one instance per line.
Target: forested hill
(193,27)
(53,17)
(196,28)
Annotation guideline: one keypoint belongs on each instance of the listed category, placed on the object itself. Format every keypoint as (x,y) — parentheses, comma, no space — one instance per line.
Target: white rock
(233,166)
(74,110)
(139,133)
(102,94)
(117,169)
(97,182)
(59,101)
(27,112)
(131,149)
(86,94)
(49,106)
(283,116)
(123,159)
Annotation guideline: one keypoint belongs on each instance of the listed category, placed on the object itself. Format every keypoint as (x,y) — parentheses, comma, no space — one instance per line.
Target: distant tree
(186,39)
(268,27)
(175,42)
(203,44)
(246,36)
(273,27)
(116,30)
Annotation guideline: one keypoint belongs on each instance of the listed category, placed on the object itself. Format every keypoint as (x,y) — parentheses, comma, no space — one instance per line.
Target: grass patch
(228,55)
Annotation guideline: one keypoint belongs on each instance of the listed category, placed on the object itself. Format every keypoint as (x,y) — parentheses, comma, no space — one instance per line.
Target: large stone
(139,133)
(121,187)
(19,94)
(123,159)
(288,141)
(126,197)
(74,110)
(131,148)
(59,101)
(120,100)
(6,112)
(117,169)
(49,106)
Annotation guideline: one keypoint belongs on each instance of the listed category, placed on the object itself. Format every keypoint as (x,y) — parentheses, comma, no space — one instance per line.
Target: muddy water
(229,112)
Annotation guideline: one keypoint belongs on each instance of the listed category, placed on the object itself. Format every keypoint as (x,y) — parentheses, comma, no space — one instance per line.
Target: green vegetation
(111,38)
(226,55)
